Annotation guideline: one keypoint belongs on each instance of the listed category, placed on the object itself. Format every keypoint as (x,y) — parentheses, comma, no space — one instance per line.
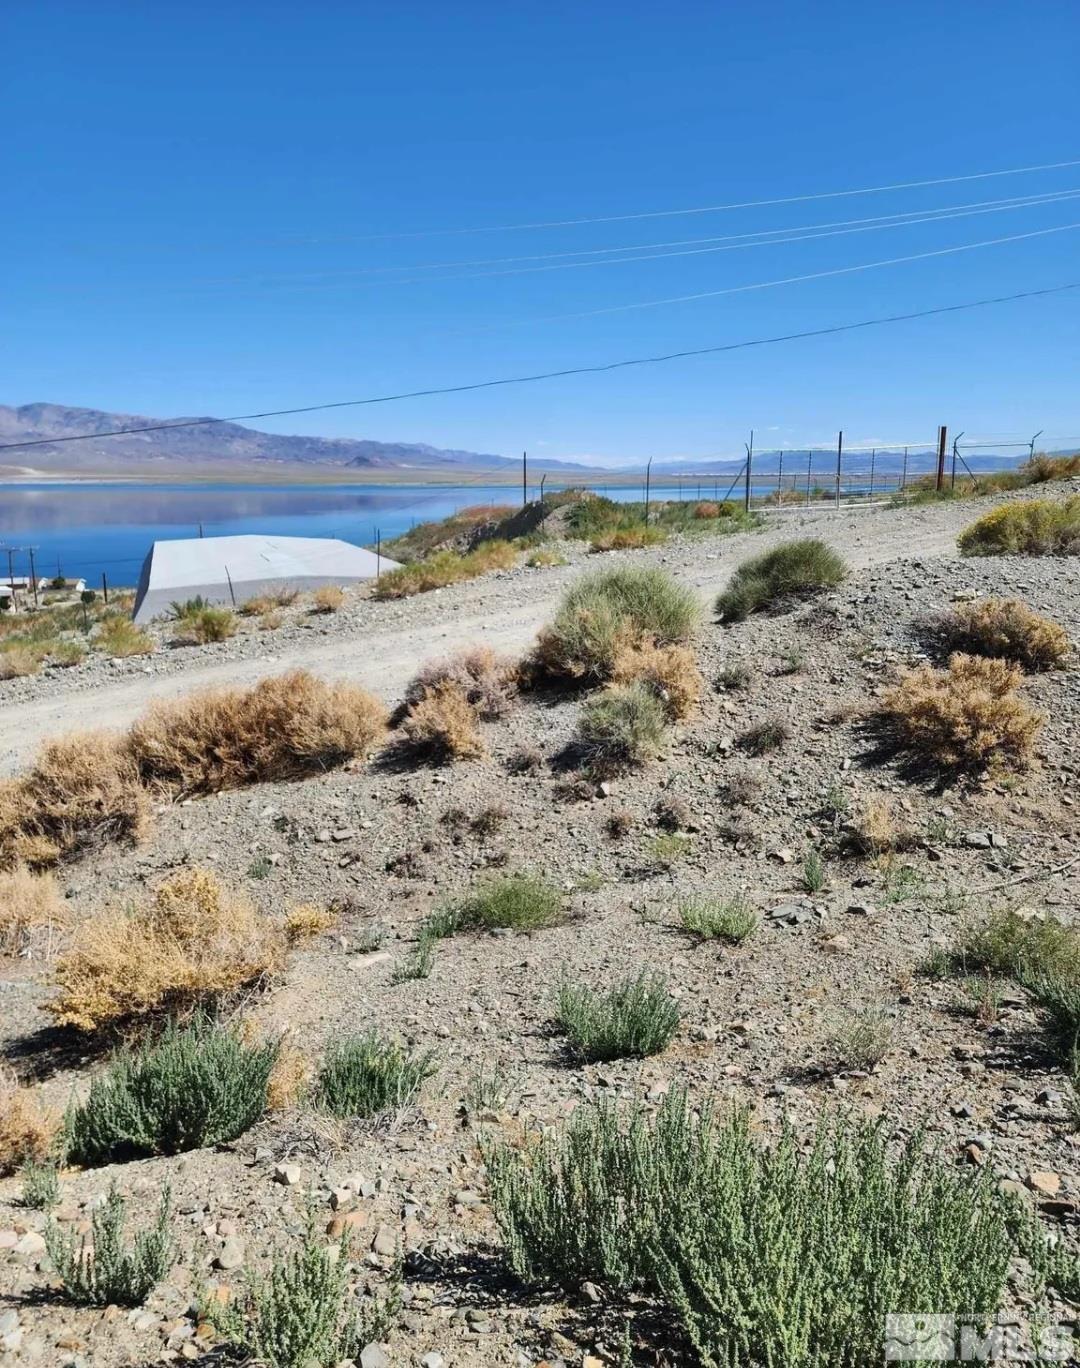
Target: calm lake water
(88,529)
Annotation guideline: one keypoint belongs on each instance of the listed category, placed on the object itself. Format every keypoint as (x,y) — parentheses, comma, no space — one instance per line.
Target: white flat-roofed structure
(231,570)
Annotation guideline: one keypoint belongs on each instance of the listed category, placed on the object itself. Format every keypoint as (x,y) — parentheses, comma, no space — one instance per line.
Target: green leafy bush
(300,1314)
(195,1086)
(732,921)
(622,727)
(104,1271)
(777,578)
(366,1075)
(603,614)
(635,1018)
(40,1185)
(765,1255)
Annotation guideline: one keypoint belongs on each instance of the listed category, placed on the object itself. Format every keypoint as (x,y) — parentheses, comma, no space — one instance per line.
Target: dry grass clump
(328,598)
(191,943)
(81,791)
(443,725)
(965,716)
(204,625)
(307,920)
(290,1078)
(488,682)
(445,568)
(622,727)
(876,829)
(1004,628)
(16,662)
(671,672)
(1039,527)
(27,1129)
(120,638)
(604,615)
(65,654)
(285,727)
(628,538)
(258,606)
(28,901)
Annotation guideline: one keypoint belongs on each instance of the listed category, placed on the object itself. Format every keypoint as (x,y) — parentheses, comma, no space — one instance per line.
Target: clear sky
(220,208)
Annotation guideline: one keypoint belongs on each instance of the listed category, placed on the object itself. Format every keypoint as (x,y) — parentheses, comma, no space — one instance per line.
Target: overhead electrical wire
(767,236)
(788,280)
(705,209)
(568,371)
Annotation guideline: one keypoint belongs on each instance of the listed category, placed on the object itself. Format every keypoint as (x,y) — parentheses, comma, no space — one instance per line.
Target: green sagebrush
(792,571)
(302,1312)
(766,1255)
(195,1085)
(104,1271)
(366,1075)
(637,1017)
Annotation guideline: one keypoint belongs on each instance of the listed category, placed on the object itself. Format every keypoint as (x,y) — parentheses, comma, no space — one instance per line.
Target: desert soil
(392,844)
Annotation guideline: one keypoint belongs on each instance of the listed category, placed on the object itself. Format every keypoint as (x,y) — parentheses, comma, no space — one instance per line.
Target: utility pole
(524,478)
(648,484)
(749,465)
(33,576)
(839,463)
(11,573)
(941,457)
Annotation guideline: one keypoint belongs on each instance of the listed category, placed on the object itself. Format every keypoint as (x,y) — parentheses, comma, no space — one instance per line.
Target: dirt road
(505,612)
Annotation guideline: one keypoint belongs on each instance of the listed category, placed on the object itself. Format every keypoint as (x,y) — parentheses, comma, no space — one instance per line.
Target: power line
(786,280)
(602,256)
(708,208)
(560,374)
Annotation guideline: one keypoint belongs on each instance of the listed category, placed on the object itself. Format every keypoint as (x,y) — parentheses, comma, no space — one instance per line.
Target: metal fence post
(648,483)
(903,477)
(749,464)
(809,468)
(873,454)
(780,478)
(940,484)
(839,463)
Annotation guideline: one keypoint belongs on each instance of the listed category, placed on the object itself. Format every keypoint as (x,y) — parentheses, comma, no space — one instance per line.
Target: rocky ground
(391,844)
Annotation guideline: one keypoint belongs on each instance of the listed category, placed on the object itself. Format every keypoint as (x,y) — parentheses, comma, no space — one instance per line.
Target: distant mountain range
(213,444)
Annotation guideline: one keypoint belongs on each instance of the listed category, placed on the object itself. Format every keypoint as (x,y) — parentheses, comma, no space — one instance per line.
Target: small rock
(231,1255)
(30,1245)
(1044,1183)
(978,840)
(287,1174)
(433,1360)
(385,1241)
(373,1356)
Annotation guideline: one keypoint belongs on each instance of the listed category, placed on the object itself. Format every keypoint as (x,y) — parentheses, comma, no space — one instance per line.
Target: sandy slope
(381,650)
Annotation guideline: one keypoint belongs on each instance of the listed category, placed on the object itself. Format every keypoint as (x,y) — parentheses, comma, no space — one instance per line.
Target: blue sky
(233,207)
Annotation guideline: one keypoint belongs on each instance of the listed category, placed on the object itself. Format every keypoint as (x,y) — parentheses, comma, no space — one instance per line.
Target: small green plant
(635,1018)
(189,607)
(792,662)
(488,1090)
(765,737)
(813,872)
(733,920)
(900,883)
(858,1039)
(367,1075)
(194,1086)
(120,638)
(518,902)
(778,578)
(836,803)
(40,1185)
(418,964)
(300,1313)
(983,993)
(104,1271)
(203,625)
(370,938)
(622,727)
(1037,527)
(734,678)
(261,867)
(668,848)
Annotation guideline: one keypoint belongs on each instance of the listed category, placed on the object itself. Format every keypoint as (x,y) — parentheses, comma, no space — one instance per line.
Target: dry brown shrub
(27,1128)
(289,1078)
(285,727)
(306,920)
(670,671)
(328,599)
(81,791)
(965,716)
(257,606)
(270,622)
(191,943)
(442,724)
(1007,629)
(18,661)
(488,681)
(28,902)
(878,830)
